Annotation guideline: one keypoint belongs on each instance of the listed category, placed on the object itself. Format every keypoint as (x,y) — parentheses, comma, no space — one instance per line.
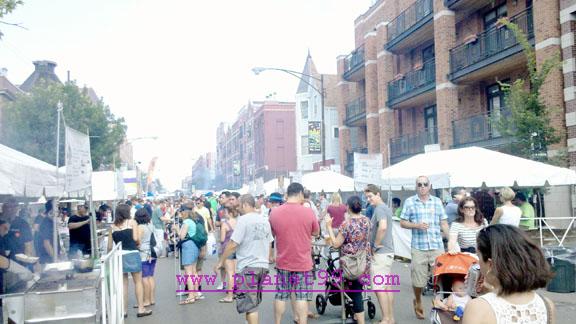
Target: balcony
(356,112)
(412,27)
(464,8)
(350,158)
(491,51)
(479,130)
(354,65)
(406,146)
(412,85)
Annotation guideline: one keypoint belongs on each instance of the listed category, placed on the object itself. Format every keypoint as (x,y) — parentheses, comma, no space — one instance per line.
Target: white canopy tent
(25,176)
(474,167)
(272,186)
(107,185)
(329,181)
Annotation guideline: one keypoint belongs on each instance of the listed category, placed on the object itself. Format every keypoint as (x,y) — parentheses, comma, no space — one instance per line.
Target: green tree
(6,7)
(30,123)
(528,120)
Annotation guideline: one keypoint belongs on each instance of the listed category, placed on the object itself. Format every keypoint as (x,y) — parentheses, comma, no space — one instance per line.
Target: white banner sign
(367,169)
(78,161)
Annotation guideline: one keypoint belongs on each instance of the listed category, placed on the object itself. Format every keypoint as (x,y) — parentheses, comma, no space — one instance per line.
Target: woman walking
(508,213)
(226,230)
(125,230)
(353,238)
(466,226)
(189,254)
(516,268)
(337,211)
(147,254)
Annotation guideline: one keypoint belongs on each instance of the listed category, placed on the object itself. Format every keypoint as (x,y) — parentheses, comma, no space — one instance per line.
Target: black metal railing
(418,11)
(491,42)
(410,144)
(450,3)
(413,80)
(355,110)
(354,61)
(480,129)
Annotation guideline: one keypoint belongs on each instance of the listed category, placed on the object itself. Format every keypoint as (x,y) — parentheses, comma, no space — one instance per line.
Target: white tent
(474,167)
(107,185)
(23,175)
(329,181)
(272,186)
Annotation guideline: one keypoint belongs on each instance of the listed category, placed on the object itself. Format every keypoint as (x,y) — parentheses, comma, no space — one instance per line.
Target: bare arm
(335,241)
(381,232)
(222,233)
(183,231)
(453,238)
(478,312)
(78,224)
(135,232)
(4,262)
(445,227)
(497,215)
(410,225)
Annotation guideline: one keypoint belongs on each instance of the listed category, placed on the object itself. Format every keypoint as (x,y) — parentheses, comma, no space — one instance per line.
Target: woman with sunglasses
(466,226)
(516,268)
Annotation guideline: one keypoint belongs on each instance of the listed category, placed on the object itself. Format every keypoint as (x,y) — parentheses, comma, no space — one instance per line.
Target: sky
(175,69)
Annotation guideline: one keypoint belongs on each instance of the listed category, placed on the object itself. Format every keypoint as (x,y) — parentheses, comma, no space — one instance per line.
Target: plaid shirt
(430,212)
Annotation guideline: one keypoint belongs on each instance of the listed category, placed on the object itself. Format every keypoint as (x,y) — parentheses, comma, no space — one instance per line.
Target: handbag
(354,265)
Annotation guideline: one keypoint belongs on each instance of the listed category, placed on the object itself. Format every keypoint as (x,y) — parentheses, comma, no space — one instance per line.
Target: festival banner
(78,161)
(314,129)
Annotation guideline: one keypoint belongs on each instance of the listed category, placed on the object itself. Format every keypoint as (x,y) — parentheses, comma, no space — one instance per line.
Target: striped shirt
(430,212)
(466,235)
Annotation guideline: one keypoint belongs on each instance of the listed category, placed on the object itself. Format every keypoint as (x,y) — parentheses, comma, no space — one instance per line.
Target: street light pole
(321,91)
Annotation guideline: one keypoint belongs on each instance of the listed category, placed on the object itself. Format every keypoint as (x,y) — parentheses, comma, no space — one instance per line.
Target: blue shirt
(430,212)
(191,227)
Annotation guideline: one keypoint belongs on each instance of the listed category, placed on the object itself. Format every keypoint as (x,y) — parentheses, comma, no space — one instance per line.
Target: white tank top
(460,301)
(510,215)
(533,312)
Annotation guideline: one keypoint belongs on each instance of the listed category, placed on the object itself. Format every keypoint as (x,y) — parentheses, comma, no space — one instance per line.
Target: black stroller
(333,293)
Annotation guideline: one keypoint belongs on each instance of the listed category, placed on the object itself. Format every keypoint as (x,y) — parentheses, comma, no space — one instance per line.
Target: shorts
(148,268)
(422,265)
(298,282)
(131,262)
(247,300)
(189,253)
(381,266)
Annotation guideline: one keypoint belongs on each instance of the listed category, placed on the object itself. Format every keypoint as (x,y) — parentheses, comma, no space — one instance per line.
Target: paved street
(210,311)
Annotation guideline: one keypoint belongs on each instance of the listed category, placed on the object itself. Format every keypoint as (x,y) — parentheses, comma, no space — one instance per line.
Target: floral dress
(356,232)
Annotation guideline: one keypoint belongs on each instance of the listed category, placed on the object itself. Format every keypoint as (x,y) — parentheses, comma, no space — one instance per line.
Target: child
(457,300)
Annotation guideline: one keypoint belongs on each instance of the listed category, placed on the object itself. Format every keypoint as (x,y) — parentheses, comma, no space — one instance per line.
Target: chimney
(45,67)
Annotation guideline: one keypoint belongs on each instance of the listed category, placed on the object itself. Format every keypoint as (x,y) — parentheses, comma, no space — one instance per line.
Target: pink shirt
(337,213)
(292,225)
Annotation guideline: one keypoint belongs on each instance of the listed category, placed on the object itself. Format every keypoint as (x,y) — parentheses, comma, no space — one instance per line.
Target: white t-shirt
(253,236)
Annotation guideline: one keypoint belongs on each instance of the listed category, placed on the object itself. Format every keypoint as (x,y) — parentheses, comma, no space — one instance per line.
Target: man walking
(425,216)
(383,250)
(293,225)
(251,242)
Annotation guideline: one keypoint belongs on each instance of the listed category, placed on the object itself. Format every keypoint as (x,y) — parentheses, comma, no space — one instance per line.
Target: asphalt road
(209,311)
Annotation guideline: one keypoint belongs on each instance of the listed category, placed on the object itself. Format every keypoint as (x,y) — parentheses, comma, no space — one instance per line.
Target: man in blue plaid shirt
(425,216)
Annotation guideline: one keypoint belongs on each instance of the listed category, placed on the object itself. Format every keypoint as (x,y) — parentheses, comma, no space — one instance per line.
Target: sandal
(187,301)
(227,301)
(145,313)
(136,306)
(313,316)
(418,310)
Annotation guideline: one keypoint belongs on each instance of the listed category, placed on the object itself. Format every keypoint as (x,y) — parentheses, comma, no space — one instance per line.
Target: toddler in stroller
(335,284)
(450,271)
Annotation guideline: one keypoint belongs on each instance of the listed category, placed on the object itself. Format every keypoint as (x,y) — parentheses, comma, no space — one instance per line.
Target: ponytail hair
(354,204)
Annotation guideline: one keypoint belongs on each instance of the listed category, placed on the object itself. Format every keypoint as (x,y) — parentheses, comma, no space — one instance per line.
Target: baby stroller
(447,269)
(334,284)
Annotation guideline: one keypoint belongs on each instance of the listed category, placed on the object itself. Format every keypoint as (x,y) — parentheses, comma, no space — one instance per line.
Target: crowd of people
(256,236)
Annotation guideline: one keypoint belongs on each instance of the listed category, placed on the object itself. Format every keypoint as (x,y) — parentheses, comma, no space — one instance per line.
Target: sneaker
(220,286)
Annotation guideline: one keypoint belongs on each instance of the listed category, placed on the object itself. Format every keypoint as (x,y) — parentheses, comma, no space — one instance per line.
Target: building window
(336,132)
(492,16)
(304,145)
(304,109)
(428,53)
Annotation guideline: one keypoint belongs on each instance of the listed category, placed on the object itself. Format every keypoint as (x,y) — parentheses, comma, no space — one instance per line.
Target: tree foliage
(528,120)
(7,6)
(30,123)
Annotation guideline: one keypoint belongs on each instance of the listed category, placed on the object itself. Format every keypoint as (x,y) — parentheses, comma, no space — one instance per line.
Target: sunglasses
(422,184)
(469,207)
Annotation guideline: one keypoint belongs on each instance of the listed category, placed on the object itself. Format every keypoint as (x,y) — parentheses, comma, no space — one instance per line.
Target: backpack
(200,237)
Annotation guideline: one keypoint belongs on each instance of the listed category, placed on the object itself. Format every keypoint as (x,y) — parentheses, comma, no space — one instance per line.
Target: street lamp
(258,70)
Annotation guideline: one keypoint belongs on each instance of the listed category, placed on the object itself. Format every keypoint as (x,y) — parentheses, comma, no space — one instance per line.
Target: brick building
(260,143)
(204,172)
(568,27)
(425,74)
